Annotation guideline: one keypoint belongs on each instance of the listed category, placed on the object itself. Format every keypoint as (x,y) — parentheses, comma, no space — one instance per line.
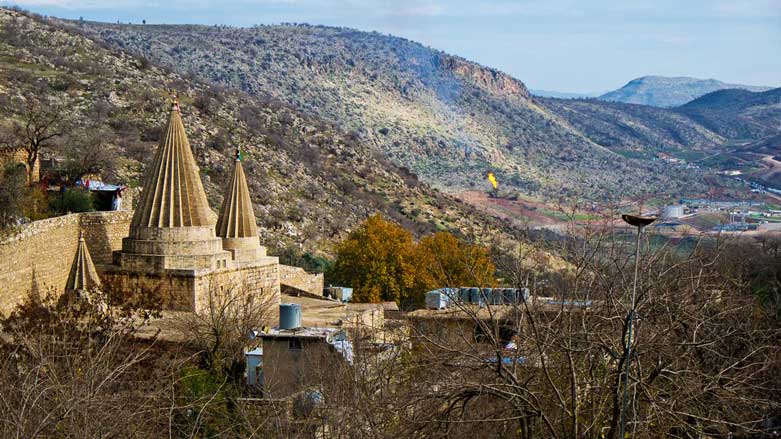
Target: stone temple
(177,248)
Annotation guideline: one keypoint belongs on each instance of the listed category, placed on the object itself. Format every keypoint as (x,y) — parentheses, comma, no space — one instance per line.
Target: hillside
(635,130)
(665,92)
(737,114)
(310,181)
(445,118)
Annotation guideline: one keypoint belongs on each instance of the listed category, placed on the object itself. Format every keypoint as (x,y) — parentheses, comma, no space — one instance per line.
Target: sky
(585,46)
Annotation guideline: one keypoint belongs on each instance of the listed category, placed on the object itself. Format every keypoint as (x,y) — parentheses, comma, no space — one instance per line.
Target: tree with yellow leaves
(376,260)
(443,260)
(381,261)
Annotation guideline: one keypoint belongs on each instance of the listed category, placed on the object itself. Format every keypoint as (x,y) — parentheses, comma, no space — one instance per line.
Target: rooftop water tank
(464,295)
(289,316)
(436,299)
(488,295)
(524,294)
(474,295)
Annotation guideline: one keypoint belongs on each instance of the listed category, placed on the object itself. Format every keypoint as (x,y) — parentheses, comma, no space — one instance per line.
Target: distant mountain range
(666,92)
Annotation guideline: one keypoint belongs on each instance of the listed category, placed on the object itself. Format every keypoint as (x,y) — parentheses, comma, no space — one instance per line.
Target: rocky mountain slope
(737,114)
(447,119)
(635,130)
(311,182)
(665,92)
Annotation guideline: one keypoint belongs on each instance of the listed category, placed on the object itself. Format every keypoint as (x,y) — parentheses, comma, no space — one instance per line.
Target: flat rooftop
(303,332)
(324,313)
(505,311)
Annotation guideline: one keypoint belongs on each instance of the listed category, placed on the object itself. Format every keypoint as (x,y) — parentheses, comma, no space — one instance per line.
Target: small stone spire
(236,224)
(237,218)
(173,194)
(83,276)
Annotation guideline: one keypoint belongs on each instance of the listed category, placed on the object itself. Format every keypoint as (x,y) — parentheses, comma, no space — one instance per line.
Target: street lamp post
(639,222)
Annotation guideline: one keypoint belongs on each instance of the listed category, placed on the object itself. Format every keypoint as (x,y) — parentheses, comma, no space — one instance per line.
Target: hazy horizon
(559,45)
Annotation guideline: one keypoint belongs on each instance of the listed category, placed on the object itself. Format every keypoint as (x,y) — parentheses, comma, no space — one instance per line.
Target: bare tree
(72,368)
(221,327)
(704,358)
(89,151)
(41,123)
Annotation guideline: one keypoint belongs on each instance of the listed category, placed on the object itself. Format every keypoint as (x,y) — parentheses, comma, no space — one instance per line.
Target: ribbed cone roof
(83,276)
(173,195)
(237,218)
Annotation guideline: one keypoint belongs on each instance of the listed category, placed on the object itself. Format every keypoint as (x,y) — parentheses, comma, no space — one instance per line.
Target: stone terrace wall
(38,257)
(299,279)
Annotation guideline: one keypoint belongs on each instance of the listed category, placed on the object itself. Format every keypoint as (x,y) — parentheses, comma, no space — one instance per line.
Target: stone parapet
(298,279)
(37,257)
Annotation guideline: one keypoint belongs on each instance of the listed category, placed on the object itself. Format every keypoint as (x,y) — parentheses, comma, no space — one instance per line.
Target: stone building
(19,157)
(175,250)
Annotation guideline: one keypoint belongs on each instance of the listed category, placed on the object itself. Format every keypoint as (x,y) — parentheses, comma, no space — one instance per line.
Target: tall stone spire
(236,224)
(83,276)
(172,227)
(173,195)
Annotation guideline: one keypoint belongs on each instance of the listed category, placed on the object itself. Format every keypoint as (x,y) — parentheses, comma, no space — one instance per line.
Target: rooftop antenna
(638,222)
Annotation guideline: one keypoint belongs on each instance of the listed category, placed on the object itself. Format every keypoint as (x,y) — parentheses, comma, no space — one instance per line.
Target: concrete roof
(327,313)
(303,332)
(468,311)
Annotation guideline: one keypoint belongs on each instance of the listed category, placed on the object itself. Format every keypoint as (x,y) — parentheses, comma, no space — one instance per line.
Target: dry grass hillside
(311,182)
(447,119)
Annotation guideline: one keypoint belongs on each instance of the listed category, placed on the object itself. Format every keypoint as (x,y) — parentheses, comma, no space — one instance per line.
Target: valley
(312,231)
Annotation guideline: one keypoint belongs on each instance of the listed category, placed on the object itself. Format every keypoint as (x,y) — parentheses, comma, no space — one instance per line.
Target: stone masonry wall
(299,279)
(38,257)
(196,290)
(260,283)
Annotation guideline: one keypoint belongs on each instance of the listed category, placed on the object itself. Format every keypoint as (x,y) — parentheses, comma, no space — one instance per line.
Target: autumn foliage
(382,262)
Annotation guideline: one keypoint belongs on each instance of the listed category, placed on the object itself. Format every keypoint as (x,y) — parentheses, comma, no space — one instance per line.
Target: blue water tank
(474,295)
(289,316)
(464,295)
(510,296)
(488,295)
(524,293)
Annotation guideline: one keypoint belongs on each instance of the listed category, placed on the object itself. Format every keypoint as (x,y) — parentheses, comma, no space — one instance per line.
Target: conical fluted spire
(83,276)
(173,194)
(237,218)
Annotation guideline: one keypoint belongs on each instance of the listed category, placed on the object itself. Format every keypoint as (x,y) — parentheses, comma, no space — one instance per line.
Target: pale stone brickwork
(236,223)
(39,256)
(172,227)
(172,250)
(20,156)
(297,278)
(188,290)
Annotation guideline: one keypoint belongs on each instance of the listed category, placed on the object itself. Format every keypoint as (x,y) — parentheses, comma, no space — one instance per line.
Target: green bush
(73,201)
